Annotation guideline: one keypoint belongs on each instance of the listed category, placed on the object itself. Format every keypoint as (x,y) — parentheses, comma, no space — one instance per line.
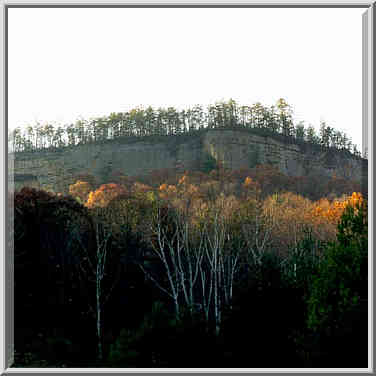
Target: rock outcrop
(234,149)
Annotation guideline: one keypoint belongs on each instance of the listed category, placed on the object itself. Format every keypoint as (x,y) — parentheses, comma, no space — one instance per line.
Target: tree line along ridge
(275,120)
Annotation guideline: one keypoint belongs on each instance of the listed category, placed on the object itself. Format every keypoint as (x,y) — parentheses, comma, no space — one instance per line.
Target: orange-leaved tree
(293,216)
(104,194)
(80,190)
(251,188)
(167,191)
(332,212)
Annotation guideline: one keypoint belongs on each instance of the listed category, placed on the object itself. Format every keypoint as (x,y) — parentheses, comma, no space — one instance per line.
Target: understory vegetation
(210,268)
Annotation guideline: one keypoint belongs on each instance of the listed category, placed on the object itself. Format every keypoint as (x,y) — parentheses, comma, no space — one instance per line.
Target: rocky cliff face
(55,170)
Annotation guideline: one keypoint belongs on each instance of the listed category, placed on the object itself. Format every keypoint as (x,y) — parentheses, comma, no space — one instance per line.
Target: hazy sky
(67,63)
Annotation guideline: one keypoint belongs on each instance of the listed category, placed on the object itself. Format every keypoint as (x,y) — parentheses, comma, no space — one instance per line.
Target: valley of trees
(207,268)
(141,122)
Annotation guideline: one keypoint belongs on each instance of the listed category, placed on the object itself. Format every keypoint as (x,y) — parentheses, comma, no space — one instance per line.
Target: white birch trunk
(96,270)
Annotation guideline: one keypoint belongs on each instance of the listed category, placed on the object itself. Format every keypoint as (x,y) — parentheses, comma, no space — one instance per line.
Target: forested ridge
(141,122)
(206,268)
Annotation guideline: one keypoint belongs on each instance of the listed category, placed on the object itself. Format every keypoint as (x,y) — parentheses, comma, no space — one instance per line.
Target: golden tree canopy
(104,194)
(81,190)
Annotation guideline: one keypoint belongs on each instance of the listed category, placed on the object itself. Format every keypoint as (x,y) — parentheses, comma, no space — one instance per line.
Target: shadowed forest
(211,267)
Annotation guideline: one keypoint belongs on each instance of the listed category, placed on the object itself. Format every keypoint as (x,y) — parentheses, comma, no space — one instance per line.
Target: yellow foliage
(167,191)
(226,206)
(292,215)
(140,188)
(248,182)
(333,211)
(182,180)
(104,194)
(251,187)
(171,189)
(80,189)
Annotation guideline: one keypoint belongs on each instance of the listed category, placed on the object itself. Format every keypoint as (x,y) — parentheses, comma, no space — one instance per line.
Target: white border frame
(3,202)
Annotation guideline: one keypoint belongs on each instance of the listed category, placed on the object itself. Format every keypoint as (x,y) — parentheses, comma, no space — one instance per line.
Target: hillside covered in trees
(185,272)
(203,267)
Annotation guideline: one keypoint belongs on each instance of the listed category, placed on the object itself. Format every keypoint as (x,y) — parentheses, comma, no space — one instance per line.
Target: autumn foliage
(104,195)
(332,211)
(198,194)
(81,190)
(262,207)
(196,263)
(250,229)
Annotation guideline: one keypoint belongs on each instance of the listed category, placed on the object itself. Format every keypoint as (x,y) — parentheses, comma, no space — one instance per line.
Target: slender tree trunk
(177,312)
(99,326)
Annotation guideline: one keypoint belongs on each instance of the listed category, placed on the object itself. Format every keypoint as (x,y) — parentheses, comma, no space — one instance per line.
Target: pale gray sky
(67,63)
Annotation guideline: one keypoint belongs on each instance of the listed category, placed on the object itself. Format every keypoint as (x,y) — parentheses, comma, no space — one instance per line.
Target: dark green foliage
(338,304)
(139,122)
(353,227)
(130,349)
(208,163)
(303,261)
(341,284)
(265,314)
(162,341)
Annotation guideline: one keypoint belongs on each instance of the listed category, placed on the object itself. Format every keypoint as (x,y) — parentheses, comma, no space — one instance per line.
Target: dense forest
(141,122)
(207,268)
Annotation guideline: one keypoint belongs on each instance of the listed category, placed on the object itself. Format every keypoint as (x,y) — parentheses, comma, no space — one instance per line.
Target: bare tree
(257,234)
(189,263)
(222,253)
(229,266)
(200,264)
(213,249)
(164,247)
(180,257)
(93,268)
